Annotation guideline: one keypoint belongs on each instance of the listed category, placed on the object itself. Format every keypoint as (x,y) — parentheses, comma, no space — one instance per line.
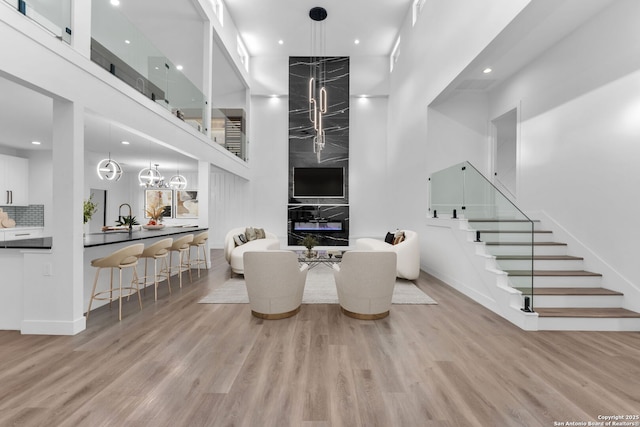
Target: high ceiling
(263,24)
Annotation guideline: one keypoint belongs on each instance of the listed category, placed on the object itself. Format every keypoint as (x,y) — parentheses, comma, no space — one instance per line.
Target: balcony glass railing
(228,130)
(119,47)
(55,16)
(462,191)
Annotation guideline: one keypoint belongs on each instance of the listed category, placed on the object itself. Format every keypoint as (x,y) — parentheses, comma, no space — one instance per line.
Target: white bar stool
(199,241)
(126,257)
(157,250)
(181,246)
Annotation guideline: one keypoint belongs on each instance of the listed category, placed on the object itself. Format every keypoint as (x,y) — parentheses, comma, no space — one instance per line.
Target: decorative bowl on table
(153,227)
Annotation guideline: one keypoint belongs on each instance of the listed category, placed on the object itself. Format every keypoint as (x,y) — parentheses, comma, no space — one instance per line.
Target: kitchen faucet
(120,214)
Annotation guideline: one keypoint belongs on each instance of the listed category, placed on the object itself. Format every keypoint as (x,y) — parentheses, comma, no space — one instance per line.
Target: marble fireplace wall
(334,154)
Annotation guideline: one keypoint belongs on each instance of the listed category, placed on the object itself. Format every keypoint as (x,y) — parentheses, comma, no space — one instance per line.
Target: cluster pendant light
(317,78)
(152,178)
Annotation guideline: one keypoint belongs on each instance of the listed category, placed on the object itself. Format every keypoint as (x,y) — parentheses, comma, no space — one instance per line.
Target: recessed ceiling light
(127,42)
(115,2)
(487,70)
(125,142)
(280,41)
(36,142)
(357,41)
(179,67)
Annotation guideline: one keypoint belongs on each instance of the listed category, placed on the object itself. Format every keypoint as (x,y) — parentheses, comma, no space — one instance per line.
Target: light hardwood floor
(180,363)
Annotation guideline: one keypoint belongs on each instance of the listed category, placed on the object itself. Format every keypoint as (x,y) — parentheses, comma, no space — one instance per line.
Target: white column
(81,27)
(204,198)
(53,286)
(207,74)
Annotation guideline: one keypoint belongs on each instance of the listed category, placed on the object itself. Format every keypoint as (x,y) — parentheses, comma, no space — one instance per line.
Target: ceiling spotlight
(115,2)
(36,142)
(280,41)
(127,41)
(356,41)
(125,143)
(487,70)
(179,67)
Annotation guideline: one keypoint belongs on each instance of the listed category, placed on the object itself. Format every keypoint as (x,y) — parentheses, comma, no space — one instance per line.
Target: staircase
(565,296)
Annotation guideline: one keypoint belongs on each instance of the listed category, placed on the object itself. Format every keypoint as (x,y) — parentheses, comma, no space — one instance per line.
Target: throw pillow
(250,233)
(389,238)
(260,234)
(398,237)
(240,239)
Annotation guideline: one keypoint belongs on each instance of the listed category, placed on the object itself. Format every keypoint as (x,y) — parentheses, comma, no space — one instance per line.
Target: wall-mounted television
(318,182)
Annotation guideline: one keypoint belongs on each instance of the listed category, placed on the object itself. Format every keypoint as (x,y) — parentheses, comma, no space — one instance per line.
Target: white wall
(230,205)
(580,127)
(457,130)
(422,140)
(40,185)
(369,179)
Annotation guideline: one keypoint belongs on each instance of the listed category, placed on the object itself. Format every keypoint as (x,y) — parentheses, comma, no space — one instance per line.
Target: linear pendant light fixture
(317,78)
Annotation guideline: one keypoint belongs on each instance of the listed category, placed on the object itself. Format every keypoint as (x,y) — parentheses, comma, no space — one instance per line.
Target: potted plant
(128,221)
(308,241)
(89,208)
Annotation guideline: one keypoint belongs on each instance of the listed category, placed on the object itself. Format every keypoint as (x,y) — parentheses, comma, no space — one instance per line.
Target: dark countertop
(111,237)
(34,243)
(101,239)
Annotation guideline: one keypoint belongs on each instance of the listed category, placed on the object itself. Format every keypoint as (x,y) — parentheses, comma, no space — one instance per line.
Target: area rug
(320,288)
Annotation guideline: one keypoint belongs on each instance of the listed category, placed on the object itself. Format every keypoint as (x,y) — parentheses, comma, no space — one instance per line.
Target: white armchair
(234,253)
(407,251)
(275,283)
(365,282)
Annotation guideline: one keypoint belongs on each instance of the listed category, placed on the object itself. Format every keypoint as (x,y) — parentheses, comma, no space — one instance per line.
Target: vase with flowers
(155,216)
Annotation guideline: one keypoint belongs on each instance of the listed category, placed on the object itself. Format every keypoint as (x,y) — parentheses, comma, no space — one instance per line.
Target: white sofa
(408,253)
(233,253)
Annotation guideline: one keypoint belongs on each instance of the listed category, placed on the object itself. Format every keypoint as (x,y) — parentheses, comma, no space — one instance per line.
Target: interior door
(98,220)
(506,154)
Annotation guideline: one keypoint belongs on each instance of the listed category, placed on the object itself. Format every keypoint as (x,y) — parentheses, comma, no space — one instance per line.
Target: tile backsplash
(26,216)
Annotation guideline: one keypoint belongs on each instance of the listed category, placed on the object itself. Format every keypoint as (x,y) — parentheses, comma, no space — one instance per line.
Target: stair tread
(569,291)
(595,312)
(514,231)
(525,244)
(540,257)
(501,220)
(545,273)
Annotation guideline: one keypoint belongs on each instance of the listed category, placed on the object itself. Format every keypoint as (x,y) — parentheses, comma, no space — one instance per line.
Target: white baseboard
(53,327)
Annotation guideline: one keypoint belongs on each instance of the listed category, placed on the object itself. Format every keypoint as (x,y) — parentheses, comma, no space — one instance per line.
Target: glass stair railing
(461,191)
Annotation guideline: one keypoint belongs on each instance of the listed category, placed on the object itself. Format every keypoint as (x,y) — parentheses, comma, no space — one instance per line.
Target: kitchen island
(28,269)
(98,245)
